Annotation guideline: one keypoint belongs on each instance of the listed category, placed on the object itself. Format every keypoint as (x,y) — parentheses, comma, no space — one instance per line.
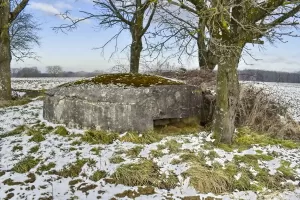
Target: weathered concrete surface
(120,109)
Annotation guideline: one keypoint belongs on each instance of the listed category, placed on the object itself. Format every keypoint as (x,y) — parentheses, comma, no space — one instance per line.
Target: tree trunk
(135,55)
(5,53)
(227,98)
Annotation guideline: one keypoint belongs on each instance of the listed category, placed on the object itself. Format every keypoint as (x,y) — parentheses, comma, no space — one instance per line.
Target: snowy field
(35,166)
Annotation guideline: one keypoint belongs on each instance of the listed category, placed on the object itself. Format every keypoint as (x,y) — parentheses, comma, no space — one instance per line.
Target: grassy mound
(135,80)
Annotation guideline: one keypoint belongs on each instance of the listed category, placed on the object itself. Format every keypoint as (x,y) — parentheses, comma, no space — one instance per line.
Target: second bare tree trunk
(5,54)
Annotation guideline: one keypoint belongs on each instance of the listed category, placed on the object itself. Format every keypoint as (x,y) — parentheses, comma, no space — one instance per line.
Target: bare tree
(23,36)
(8,14)
(185,31)
(231,24)
(133,15)
(54,70)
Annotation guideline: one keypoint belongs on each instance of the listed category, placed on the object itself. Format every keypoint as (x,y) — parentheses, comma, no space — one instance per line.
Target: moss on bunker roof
(136,80)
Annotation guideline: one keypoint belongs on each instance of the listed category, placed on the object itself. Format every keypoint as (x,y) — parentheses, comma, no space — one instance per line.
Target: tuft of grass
(137,174)
(144,138)
(193,158)
(47,167)
(168,181)
(116,159)
(75,181)
(134,152)
(206,180)
(36,137)
(34,149)
(143,173)
(286,170)
(247,137)
(16,102)
(156,153)
(17,148)
(2,173)
(11,182)
(97,175)
(212,154)
(99,137)
(62,131)
(16,131)
(25,165)
(173,146)
(72,170)
(96,151)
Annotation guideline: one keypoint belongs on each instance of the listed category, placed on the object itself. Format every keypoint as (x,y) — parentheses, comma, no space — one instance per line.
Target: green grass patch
(173,146)
(97,175)
(37,137)
(144,173)
(286,170)
(99,137)
(16,131)
(156,153)
(17,148)
(96,150)
(247,137)
(25,165)
(62,131)
(206,180)
(47,167)
(116,159)
(16,102)
(72,170)
(34,149)
(134,152)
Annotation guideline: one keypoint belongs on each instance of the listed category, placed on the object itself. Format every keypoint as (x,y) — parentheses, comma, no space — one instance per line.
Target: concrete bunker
(121,102)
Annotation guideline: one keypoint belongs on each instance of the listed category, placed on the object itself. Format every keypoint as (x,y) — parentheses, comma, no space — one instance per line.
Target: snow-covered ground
(66,150)
(40,83)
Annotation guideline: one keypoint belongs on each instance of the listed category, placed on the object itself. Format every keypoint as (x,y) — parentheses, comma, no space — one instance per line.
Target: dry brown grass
(262,113)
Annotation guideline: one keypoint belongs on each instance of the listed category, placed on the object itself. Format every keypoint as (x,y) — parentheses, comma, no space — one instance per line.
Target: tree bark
(227,98)
(5,53)
(136,47)
(135,55)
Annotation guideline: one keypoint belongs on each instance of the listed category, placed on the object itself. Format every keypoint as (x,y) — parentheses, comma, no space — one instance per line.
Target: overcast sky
(75,50)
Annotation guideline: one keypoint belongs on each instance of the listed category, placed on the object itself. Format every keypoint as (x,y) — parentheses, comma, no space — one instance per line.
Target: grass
(25,165)
(72,170)
(247,137)
(17,148)
(173,146)
(16,102)
(206,180)
(144,138)
(37,137)
(47,167)
(156,153)
(34,149)
(99,137)
(143,173)
(134,152)
(96,151)
(116,159)
(286,170)
(62,131)
(97,175)
(16,131)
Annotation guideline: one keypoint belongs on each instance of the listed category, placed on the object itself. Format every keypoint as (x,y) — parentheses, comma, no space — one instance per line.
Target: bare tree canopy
(23,36)
(54,70)
(9,11)
(135,16)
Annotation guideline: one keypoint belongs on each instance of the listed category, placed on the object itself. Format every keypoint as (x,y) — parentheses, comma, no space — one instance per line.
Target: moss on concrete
(135,80)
